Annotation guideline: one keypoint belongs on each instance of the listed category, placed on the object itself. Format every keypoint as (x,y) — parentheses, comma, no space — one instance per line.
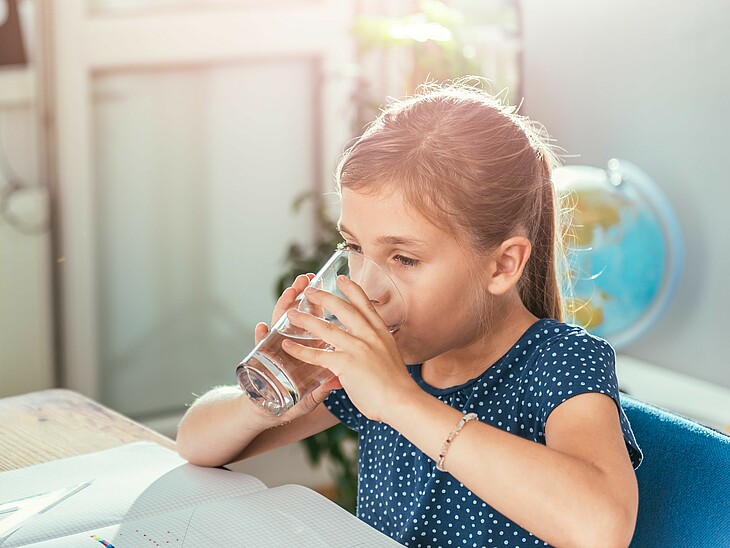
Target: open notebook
(144,495)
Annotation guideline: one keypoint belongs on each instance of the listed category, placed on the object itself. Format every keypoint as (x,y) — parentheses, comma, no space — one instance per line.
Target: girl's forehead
(383,212)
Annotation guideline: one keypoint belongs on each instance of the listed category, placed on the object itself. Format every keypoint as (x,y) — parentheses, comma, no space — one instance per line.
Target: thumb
(260,332)
(320,393)
(332,384)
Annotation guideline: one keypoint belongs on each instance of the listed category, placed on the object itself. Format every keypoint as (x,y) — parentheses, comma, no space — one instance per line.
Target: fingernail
(341,278)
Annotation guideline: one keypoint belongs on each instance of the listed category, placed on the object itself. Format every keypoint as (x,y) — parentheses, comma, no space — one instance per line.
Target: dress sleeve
(339,404)
(579,363)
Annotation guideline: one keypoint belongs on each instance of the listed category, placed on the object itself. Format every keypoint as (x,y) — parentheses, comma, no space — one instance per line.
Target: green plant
(442,41)
(442,46)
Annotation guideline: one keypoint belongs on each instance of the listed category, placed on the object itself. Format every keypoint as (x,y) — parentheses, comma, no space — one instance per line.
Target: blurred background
(152,154)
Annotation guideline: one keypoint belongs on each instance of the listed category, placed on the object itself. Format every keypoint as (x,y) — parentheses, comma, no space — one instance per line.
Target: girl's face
(425,262)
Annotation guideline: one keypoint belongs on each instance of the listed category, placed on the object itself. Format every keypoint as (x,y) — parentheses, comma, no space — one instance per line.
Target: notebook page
(128,482)
(290,515)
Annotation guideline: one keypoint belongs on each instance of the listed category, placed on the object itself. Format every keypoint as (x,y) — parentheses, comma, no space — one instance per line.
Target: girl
(484,420)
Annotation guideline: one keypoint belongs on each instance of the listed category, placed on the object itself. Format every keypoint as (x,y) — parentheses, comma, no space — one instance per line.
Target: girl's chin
(409,357)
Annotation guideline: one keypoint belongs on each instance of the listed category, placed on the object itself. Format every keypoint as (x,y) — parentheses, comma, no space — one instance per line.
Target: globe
(624,249)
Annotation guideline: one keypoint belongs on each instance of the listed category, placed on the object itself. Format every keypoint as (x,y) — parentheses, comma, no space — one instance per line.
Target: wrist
(404,403)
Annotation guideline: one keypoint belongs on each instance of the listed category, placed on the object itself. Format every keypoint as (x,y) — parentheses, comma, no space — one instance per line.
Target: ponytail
(539,288)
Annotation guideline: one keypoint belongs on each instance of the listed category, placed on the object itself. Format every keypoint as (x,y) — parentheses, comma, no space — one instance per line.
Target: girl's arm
(224,426)
(578,490)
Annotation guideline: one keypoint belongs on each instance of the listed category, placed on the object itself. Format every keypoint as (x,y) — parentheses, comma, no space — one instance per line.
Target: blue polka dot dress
(401,493)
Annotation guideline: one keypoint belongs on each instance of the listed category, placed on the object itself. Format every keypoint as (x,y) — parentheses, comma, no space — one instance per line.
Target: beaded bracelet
(445,447)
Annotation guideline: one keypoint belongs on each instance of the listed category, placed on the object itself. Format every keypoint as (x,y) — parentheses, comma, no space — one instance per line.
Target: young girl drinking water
(484,420)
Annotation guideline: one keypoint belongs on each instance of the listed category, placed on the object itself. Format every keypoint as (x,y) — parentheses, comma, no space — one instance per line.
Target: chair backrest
(684,480)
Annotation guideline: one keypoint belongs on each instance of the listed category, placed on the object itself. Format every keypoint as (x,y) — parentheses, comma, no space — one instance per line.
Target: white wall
(649,82)
(26,361)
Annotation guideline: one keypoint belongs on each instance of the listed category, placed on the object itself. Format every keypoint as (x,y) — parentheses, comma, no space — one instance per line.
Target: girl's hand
(365,359)
(285,302)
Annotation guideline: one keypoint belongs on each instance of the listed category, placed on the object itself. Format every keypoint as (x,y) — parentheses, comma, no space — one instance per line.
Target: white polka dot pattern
(401,493)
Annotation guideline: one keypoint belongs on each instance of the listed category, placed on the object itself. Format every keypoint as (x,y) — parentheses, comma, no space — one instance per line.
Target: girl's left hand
(365,358)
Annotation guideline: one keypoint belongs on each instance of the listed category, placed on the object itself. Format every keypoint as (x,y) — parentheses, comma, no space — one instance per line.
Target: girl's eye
(349,247)
(407,261)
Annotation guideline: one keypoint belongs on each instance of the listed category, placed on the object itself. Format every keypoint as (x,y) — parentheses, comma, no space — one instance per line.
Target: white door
(183,131)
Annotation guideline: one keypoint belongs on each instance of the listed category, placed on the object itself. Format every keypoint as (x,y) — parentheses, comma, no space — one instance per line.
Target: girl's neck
(459,365)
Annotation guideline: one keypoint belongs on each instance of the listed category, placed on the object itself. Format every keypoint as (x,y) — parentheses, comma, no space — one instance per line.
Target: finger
(290,294)
(321,392)
(332,384)
(359,299)
(315,356)
(346,312)
(317,396)
(323,330)
(301,282)
(260,332)
(284,302)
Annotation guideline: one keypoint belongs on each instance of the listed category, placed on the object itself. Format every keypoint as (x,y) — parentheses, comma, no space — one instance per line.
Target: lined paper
(131,481)
(144,495)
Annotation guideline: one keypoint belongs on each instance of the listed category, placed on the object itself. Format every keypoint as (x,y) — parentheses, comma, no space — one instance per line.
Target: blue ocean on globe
(625,250)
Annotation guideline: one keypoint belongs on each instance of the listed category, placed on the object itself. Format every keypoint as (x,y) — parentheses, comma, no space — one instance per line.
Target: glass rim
(340,252)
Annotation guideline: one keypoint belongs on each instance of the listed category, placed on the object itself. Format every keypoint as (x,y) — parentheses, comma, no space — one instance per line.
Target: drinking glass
(275,380)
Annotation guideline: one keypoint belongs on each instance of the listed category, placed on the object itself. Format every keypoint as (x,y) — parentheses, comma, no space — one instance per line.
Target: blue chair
(684,480)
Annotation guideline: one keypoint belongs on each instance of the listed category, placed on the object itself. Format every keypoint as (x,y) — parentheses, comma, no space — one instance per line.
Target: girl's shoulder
(557,336)
(552,345)
(566,362)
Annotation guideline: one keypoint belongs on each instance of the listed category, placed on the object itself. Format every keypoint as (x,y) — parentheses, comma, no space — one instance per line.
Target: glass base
(267,387)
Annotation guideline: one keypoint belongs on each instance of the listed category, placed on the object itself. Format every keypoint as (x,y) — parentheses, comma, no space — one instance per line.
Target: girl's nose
(381,299)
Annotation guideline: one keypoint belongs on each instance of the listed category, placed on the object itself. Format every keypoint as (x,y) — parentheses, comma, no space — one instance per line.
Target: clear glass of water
(275,380)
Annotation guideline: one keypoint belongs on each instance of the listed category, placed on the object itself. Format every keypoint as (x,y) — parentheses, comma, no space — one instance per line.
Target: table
(52,424)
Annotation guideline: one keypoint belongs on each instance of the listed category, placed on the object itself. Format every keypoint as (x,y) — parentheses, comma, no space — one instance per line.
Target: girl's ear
(508,263)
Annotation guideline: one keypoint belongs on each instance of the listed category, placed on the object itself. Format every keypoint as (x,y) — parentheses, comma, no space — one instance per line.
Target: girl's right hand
(285,302)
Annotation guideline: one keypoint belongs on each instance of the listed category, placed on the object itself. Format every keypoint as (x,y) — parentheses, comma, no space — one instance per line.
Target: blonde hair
(474,166)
